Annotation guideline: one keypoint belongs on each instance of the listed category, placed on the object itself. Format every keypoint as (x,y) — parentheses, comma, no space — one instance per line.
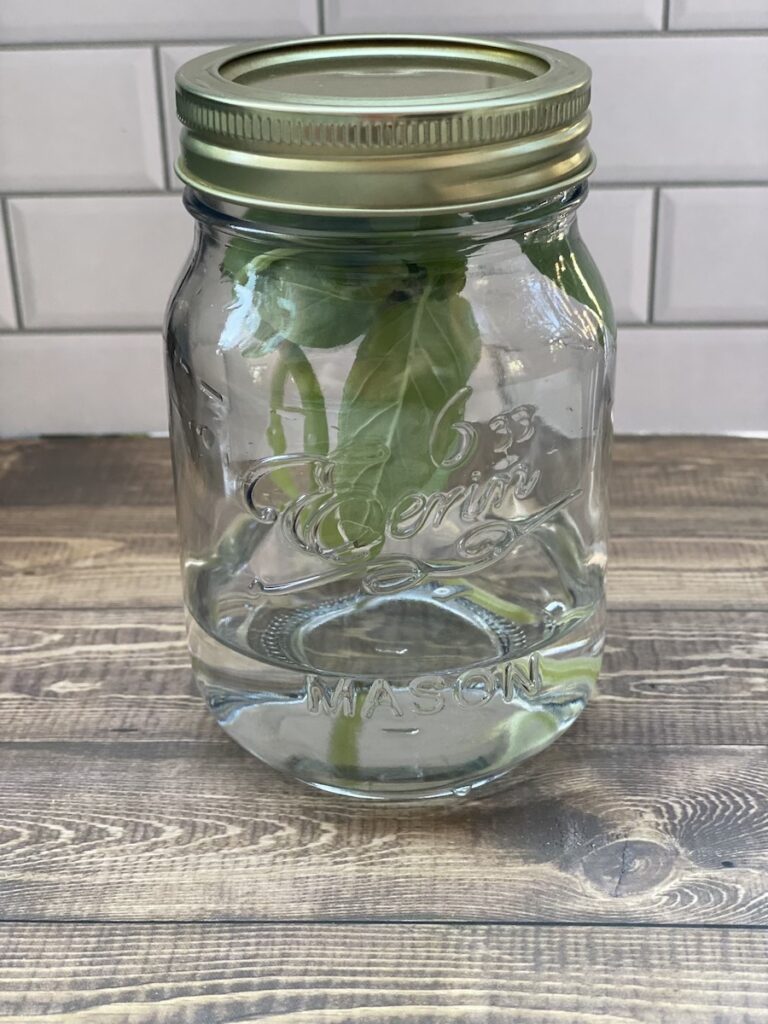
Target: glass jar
(390,364)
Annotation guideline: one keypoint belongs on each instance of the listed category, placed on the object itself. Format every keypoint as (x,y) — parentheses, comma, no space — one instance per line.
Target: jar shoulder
(567,262)
(528,285)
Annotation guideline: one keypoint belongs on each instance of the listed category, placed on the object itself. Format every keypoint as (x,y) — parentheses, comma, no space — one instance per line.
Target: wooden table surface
(151,871)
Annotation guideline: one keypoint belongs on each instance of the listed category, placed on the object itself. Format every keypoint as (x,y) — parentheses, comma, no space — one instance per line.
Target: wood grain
(90,524)
(380,974)
(172,831)
(92,471)
(80,557)
(127,557)
(121,802)
(648,472)
(673,572)
(669,677)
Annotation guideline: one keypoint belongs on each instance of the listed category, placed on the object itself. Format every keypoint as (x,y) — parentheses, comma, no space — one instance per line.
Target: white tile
(81,384)
(677,108)
(101,261)
(510,17)
(171,59)
(79,119)
(690,14)
(7,309)
(37,21)
(712,259)
(616,225)
(692,381)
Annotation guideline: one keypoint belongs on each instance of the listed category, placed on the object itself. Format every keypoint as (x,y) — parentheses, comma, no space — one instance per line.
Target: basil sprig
(419,344)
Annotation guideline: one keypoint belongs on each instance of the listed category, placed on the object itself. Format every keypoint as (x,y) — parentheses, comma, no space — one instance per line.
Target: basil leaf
(416,357)
(288,295)
(246,327)
(312,306)
(405,389)
(239,254)
(568,263)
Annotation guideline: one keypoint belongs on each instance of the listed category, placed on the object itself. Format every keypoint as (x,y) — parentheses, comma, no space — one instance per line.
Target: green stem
(493,603)
(294,364)
(343,753)
(291,362)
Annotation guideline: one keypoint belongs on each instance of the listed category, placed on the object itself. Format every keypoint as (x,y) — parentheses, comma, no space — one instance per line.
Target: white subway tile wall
(89,21)
(78,119)
(49,379)
(703,380)
(681,109)
(83,260)
(508,17)
(94,234)
(713,259)
(718,14)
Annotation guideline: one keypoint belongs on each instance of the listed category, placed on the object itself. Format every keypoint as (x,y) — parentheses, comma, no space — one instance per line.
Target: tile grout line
(13,269)
(110,193)
(598,186)
(665,16)
(321,17)
(161,116)
(152,330)
(684,183)
(219,41)
(624,325)
(653,258)
(693,325)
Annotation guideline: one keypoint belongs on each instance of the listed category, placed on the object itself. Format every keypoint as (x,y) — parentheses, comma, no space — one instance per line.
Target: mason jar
(390,364)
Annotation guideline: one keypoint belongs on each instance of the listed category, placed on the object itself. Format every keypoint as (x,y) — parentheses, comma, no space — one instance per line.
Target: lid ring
(378,107)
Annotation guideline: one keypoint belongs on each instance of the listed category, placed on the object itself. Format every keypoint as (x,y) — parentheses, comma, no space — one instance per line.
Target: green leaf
(314,299)
(401,395)
(239,254)
(300,296)
(407,385)
(567,262)
(315,306)
(245,327)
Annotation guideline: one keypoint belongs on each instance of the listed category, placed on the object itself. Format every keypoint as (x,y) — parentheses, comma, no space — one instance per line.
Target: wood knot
(628,866)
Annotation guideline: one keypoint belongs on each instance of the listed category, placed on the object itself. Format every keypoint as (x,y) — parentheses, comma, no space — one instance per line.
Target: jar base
(436,735)
(529,734)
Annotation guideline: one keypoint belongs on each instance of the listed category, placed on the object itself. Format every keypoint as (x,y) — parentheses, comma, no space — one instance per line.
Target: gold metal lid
(383,124)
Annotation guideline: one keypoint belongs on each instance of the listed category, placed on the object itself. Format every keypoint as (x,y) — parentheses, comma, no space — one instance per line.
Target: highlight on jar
(390,363)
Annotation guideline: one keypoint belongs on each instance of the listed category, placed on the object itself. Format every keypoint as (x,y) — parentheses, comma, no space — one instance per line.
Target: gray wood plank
(175,831)
(648,472)
(381,974)
(89,523)
(669,677)
(75,557)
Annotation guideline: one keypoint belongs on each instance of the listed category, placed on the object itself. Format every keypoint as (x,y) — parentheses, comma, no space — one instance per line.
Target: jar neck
(551,215)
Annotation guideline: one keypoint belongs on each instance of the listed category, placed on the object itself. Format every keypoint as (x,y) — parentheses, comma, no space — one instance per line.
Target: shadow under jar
(390,365)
